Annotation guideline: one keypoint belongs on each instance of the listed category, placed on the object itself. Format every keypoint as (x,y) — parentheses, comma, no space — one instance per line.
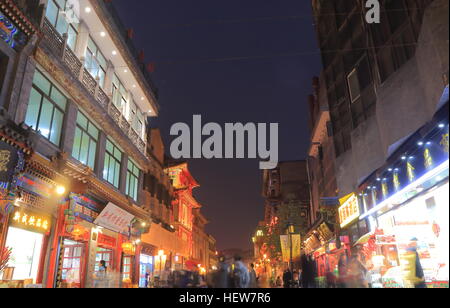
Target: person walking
(305,272)
(253,278)
(343,271)
(287,279)
(357,273)
(240,274)
(413,274)
(221,276)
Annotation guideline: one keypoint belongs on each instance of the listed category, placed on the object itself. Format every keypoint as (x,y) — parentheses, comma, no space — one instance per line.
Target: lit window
(46,108)
(119,94)
(85,143)
(95,62)
(132,180)
(113,162)
(64,23)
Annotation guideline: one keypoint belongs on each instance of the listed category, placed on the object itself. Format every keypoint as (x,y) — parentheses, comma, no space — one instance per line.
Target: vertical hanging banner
(285,247)
(296,246)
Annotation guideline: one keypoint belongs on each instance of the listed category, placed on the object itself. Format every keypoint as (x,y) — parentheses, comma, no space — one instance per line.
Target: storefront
(27,238)
(407,204)
(29,203)
(326,250)
(93,231)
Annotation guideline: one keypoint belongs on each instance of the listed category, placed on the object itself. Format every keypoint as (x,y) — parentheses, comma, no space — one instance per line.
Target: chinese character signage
(325,233)
(349,211)
(286,246)
(115,219)
(30,221)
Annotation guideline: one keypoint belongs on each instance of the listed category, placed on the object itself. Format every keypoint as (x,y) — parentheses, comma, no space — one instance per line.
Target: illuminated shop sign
(30,221)
(349,211)
(420,164)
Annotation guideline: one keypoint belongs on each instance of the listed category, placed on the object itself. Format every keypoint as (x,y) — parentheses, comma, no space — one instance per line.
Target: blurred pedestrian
(412,269)
(287,279)
(343,271)
(221,278)
(241,275)
(296,280)
(253,278)
(278,282)
(357,273)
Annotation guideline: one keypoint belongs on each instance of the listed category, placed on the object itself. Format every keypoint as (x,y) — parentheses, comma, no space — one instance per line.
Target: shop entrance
(72,264)
(26,253)
(146,269)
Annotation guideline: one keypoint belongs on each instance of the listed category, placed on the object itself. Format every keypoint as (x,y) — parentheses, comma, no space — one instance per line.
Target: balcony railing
(59,47)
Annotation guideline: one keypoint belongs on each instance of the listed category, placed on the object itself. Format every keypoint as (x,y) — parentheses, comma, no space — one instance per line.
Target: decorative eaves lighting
(88,10)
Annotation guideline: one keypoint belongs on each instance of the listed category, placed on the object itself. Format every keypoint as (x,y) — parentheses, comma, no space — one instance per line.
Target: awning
(191,264)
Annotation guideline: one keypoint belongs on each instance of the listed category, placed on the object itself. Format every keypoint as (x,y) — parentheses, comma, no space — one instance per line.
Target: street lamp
(291,231)
(160,255)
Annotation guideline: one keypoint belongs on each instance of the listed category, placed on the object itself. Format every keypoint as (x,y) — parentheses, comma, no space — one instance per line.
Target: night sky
(271,84)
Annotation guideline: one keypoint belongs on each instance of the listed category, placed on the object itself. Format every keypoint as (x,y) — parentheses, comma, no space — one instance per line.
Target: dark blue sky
(271,89)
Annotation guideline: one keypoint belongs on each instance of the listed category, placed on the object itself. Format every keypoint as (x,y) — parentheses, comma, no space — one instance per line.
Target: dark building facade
(387,91)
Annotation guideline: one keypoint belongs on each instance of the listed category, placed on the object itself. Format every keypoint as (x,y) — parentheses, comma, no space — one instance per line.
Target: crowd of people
(351,273)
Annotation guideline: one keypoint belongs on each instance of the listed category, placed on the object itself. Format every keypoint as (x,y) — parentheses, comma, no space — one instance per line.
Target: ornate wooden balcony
(58,45)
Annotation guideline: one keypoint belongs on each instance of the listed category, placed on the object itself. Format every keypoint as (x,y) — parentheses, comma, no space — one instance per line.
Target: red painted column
(54,248)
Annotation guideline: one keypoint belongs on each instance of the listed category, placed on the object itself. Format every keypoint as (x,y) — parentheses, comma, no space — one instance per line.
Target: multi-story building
(213,254)
(200,239)
(387,89)
(76,104)
(321,156)
(159,247)
(323,238)
(287,201)
(184,205)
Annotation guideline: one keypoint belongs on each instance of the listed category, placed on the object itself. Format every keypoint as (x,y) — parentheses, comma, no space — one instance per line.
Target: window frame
(94,56)
(133,173)
(118,89)
(56,106)
(56,23)
(107,164)
(86,131)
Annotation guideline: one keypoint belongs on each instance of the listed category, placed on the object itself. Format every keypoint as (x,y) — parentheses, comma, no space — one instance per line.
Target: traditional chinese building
(76,103)
(185,208)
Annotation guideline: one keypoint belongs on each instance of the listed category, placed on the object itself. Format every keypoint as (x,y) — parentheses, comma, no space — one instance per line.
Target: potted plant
(5,256)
